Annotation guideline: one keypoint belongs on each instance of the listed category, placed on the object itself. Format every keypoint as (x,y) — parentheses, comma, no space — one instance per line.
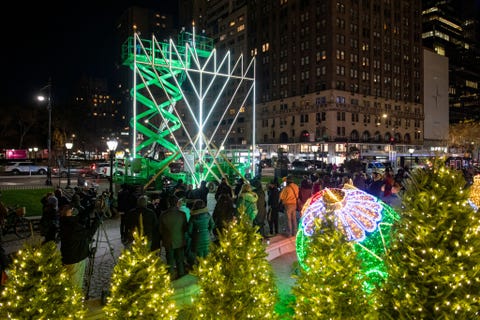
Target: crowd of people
(179,221)
(176,220)
(185,227)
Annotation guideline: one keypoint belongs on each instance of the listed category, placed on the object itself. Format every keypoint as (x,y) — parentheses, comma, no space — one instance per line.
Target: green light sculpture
(361,217)
(173,81)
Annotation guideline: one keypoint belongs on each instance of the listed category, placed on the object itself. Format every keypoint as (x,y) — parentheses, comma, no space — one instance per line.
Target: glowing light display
(357,211)
(187,79)
(361,217)
(475,193)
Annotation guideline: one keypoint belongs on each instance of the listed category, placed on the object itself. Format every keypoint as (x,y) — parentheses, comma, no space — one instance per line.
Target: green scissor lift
(161,68)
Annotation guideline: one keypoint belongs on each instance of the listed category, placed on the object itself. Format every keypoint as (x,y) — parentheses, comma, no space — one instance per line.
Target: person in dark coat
(75,243)
(261,215)
(201,192)
(223,213)
(359,181)
(126,201)
(173,227)
(50,218)
(4,259)
(148,222)
(274,206)
(62,199)
(304,193)
(200,228)
(375,188)
(238,187)
(81,211)
(223,187)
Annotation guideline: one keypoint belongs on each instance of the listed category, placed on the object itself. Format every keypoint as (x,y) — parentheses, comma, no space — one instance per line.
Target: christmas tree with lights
(236,281)
(331,284)
(434,262)
(38,287)
(141,286)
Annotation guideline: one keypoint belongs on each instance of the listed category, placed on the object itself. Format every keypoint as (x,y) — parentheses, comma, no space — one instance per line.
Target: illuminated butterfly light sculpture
(361,217)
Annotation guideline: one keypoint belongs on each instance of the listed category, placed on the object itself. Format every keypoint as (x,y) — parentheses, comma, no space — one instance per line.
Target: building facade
(451,29)
(338,74)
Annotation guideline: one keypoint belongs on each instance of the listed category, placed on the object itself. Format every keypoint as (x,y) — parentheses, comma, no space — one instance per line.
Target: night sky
(63,41)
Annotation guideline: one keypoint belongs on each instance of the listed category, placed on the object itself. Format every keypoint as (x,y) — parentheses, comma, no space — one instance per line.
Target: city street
(37,181)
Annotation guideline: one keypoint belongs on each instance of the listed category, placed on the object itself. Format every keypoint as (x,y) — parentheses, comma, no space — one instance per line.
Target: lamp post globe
(69,147)
(411,151)
(112,146)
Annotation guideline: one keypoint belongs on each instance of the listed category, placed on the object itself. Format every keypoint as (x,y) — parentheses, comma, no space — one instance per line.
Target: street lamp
(411,151)
(314,150)
(112,146)
(69,146)
(35,149)
(48,182)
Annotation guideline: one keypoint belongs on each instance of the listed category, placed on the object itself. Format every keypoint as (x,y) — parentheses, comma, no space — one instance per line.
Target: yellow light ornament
(475,191)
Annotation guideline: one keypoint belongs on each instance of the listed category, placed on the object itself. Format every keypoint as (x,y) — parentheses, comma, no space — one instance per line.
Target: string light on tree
(39,288)
(236,281)
(475,192)
(433,266)
(141,286)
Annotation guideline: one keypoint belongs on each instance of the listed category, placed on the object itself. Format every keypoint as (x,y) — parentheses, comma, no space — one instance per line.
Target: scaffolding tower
(178,89)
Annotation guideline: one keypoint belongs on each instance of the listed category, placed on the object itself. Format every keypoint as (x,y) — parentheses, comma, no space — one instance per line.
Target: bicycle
(12,220)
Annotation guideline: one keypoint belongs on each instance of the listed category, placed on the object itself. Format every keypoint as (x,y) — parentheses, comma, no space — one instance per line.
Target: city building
(435,99)
(343,75)
(333,79)
(451,29)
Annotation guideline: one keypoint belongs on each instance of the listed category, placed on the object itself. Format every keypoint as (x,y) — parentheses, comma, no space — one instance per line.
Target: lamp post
(314,150)
(69,146)
(411,151)
(48,182)
(112,146)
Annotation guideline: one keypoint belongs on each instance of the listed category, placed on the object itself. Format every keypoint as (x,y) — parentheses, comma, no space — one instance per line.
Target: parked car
(74,171)
(25,167)
(375,167)
(317,164)
(301,165)
(102,169)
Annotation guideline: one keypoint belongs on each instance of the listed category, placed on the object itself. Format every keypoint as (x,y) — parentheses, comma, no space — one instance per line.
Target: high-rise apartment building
(332,76)
(338,73)
(451,29)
